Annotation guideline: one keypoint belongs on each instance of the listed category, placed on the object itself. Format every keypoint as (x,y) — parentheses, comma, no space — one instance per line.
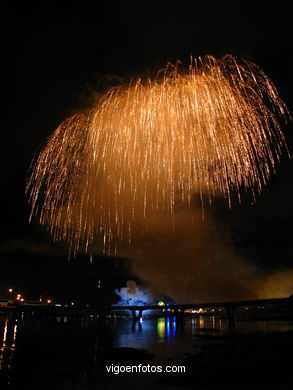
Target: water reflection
(166,329)
(8,344)
(213,322)
(165,337)
(161,329)
(212,325)
(166,333)
(193,326)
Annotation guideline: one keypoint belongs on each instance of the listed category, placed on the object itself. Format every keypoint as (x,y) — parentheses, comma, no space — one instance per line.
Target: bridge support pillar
(231,316)
(136,317)
(179,314)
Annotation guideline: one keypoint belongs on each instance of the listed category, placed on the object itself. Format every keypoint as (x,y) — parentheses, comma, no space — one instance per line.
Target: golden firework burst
(209,130)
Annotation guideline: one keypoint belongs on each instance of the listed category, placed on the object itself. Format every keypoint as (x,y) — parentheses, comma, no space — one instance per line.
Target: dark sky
(50,56)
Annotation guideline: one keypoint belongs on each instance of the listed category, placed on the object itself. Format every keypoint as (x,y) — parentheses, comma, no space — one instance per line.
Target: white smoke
(132,295)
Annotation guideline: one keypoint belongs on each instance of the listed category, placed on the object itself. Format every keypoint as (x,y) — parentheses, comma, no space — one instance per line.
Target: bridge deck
(225,304)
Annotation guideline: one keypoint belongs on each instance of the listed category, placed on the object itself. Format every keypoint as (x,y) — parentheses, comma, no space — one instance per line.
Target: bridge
(178,310)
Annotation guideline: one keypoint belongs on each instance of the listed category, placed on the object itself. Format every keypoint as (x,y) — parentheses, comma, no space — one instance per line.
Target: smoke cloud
(132,295)
(196,262)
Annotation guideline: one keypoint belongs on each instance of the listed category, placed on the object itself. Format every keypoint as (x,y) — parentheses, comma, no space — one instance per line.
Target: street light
(10,290)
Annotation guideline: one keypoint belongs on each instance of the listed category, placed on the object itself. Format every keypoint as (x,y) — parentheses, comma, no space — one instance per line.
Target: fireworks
(144,147)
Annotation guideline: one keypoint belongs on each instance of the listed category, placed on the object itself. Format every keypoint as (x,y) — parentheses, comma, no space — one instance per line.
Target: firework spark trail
(209,131)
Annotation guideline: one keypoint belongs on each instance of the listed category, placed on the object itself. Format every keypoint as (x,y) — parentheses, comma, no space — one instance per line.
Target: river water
(63,352)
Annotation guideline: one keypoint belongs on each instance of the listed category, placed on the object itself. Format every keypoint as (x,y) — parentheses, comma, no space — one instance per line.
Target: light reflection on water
(8,329)
(165,337)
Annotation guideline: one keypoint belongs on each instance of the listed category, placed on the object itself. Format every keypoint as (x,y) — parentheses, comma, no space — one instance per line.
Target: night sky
(51,62)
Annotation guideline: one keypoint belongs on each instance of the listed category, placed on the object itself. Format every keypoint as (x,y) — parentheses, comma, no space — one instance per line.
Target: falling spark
(210,130)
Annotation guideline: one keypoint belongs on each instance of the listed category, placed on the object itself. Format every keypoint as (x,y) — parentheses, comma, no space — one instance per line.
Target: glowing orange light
(144,147)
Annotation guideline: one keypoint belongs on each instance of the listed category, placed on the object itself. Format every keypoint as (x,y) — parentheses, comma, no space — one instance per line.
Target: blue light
(174,324)
(168,329)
